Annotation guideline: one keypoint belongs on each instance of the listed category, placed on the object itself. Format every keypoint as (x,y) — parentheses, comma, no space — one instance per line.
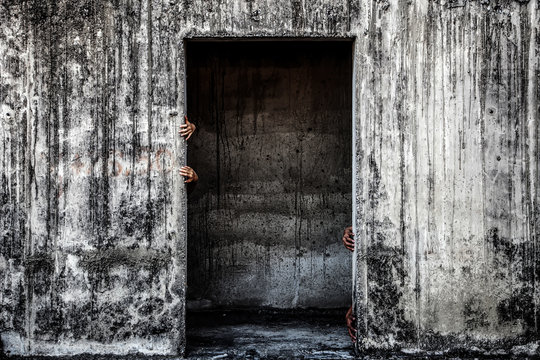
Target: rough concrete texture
(445,167)
(447,115)
(274,156)
(92,247)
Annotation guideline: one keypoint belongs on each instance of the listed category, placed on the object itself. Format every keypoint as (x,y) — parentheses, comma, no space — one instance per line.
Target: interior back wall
(273,152)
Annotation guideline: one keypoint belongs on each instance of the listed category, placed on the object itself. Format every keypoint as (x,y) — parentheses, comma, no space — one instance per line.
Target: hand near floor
(189,173)
(348,238)
(187,129)
(350,318)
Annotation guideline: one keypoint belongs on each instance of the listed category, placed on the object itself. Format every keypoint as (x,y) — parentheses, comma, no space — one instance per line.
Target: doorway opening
(273,151)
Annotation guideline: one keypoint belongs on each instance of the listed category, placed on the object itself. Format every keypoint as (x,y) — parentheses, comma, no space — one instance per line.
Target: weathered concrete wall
(92,252)
(447,140)
(93,233)
(446,98)
(274,156)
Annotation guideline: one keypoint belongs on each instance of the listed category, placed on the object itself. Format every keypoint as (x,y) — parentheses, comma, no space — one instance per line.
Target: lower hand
(348,238)
(189,173)
(350,318)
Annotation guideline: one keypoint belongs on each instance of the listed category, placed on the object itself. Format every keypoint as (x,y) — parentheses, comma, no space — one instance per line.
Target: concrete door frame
(273,38)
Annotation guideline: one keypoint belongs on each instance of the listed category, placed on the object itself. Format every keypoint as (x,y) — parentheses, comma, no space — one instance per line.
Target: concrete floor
(272,335)
(268,335)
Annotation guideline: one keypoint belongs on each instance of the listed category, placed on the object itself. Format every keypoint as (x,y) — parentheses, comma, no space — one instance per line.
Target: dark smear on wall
(385,293)
(520,305)
(103,261)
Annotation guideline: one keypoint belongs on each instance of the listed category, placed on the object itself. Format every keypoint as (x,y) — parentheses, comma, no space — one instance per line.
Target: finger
(191,133)
(185,118)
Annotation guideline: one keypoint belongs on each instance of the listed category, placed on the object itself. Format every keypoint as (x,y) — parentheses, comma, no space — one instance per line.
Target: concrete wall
(273,154)
(445,167)
(448,98)
(92,247)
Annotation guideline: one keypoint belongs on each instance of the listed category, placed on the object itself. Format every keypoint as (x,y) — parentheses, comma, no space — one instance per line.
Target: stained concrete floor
(268,334)
(272,335)
(299,334)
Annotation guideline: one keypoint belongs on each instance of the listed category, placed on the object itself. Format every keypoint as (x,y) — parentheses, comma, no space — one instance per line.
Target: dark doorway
(273,152)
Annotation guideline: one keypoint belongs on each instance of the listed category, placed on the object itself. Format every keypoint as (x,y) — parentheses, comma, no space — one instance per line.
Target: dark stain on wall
(519,257)
(99,261)
(385,292)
